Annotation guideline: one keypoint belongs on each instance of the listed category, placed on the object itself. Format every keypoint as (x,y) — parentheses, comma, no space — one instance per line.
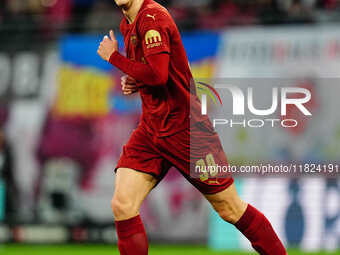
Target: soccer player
(171,131)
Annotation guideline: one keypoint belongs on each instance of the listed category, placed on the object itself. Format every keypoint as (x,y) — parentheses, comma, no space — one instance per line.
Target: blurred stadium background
(63,121)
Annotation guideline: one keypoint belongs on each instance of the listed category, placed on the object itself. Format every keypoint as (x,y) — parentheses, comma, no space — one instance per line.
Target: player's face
(122,3)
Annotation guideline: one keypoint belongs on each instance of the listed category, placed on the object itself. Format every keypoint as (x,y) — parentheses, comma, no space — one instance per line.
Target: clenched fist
(108,46)
(129,85)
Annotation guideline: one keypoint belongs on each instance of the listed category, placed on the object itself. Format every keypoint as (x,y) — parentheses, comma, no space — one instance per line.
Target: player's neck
(131,10)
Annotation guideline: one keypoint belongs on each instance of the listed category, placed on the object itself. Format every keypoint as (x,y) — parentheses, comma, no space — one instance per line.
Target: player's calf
(258,230)
(131,188)
(248,220)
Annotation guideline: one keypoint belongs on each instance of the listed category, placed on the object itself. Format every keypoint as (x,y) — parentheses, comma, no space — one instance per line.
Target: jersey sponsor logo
(153,38)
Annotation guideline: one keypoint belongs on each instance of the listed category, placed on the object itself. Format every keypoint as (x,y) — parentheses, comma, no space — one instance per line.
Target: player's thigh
(198,155)
(228,204)
(131,188)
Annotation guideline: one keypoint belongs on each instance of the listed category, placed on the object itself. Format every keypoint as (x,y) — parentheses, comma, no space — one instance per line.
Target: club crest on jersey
(153,39)
(133,39)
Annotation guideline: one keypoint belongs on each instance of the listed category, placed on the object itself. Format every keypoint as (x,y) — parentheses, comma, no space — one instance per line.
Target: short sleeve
(155,33)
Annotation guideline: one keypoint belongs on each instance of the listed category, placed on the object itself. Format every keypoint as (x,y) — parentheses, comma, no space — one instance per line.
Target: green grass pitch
(111,250)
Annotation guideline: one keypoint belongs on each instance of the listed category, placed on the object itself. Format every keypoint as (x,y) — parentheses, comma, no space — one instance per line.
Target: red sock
(132,239)
(256,227)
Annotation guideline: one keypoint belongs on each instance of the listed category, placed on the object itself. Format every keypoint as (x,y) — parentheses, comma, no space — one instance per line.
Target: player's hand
(129,85)
(108,46)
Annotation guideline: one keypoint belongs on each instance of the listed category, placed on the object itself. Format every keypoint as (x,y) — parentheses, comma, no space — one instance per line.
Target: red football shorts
(190,151)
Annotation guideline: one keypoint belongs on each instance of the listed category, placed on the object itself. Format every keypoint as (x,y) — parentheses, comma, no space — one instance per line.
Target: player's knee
(230,211)
(122,208)
(228,215)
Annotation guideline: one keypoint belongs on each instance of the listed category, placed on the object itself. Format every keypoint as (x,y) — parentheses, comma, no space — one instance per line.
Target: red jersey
(166,108)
